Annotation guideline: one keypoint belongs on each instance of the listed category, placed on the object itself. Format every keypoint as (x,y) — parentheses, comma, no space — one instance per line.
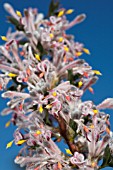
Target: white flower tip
(111,134)
(81,17)
(2,95)
(8,103)
(7,6)
(18,160)
(40,16)
(6,94)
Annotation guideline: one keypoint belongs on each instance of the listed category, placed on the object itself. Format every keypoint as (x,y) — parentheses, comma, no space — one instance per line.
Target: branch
(66,134)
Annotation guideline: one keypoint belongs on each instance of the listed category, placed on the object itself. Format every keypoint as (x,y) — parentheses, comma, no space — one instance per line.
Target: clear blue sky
(97,35)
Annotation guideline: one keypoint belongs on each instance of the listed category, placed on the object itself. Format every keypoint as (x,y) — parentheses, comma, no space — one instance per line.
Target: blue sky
(96,32)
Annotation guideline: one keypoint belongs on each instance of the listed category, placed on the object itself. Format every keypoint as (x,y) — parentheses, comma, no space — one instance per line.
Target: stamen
(28,71)
(86,129)
(48,106)
(91,90)
(51,35)
(37,56)
(65,59)
(54,94)
(20,142)
(38,132)
(80,83)
(41,75)
(69,11)
(92,126)
(107,130)
(12,75)
(25,79)
(97,72)
(95,111)
(86,51)
(60,39)
(40,109)
(66,48)
(59,166)
(68,98)
(68,151)
(71,59)
(77,54)
(61,13)
(7,124)
(85,74)
(21,107)
(19,14)
(9,144)
(93,164)
(4,38)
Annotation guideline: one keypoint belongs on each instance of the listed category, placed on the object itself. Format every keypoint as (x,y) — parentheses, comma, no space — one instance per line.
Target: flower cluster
(43,77)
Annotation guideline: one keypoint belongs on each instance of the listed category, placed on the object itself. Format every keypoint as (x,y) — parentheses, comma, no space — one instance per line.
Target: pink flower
(78,159)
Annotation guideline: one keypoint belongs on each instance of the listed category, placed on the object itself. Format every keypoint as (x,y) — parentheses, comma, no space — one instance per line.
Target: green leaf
(111,162)
(34,107)
(87,119)
(13,20)
(106,156)
(47,118)
(15,84)
(73,128)
(107,159)
(73,125)
(34,147)
(54,6)
(70,76)
(12,88)
(23,42)
(41,49)
(16,23)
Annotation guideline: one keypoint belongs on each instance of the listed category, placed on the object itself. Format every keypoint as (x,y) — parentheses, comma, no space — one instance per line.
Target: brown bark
(65,134)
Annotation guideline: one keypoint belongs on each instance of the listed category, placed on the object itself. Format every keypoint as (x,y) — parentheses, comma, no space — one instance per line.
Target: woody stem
(65,135)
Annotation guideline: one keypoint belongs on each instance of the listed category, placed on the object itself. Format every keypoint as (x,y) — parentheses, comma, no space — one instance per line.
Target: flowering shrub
(43,77)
